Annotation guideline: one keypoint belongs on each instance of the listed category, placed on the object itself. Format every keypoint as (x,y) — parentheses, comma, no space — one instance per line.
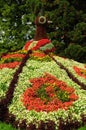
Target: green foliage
(63,96)
(59,46)
(10,60)
(4,126)
(41,92)
(76,52)
(3,86)
(17,22)
(68,22)
(78,35)
(82,128)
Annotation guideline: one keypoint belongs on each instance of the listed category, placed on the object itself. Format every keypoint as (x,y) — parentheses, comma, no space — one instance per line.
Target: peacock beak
(49,21)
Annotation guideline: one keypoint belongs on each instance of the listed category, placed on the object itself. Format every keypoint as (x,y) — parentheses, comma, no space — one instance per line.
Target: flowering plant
(33,116)
(11,60)
(43,44)
(39,55)
(9,65)
(6,76)
(48,94)
(13,56)
(69,64)
(81,72)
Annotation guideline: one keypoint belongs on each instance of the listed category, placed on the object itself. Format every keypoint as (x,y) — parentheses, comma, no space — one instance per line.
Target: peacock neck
(40,33)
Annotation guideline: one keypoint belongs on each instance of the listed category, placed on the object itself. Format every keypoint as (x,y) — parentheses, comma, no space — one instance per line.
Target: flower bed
(6,76)
(8,66)
(38,55)
(11,60)
(69,64)
(81,72)
(69,114)
(43,44)
(47,93)
(44,97)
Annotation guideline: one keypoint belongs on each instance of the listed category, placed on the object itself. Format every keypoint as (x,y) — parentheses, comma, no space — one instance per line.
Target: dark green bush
(76,52)
(59,46)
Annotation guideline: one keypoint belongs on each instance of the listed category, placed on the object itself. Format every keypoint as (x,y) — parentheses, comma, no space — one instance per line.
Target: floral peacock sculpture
(39,90)
(40,41)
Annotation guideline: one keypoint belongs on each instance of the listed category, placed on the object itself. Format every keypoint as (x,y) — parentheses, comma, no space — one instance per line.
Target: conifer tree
(17,22)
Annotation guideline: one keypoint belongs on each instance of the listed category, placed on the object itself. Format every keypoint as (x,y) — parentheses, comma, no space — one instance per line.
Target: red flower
(49,89)
(39,44)
(81,72)
(68,89)
(9,65)
(38,54)
(13,56)
(27,45)
(73,97)
(67,104)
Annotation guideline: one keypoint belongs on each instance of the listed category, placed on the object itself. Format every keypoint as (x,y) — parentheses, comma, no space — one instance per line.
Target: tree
(15,23)
(68,21)
(65,17)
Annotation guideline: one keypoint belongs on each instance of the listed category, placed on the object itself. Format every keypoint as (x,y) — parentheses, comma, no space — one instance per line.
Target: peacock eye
(42,20)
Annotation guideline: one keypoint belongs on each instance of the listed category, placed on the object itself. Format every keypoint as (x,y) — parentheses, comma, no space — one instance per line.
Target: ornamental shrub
(59,46)
(76,52)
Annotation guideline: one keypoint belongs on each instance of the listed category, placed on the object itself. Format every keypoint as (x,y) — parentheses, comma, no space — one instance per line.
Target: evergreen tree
(66,17)
(17,22)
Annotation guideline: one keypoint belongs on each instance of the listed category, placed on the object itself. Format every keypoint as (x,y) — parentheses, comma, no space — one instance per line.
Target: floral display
(9,65)
(13,56)
(6,76)
(39,55)
(69,64)
(70,96)
(37,91)
(81,72)
(48,94)
(11,60)
(43,44)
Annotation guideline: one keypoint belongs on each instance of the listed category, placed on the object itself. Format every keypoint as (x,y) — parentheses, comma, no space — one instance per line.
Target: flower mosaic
(37,91)
(81,72)
(11,60)
(47,93)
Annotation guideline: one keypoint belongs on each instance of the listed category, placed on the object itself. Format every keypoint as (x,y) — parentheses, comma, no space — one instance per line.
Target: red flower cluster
(9,65)
(43,95)
(81,72)
(39,44)
(27,45)
(13,56)
(39,54)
